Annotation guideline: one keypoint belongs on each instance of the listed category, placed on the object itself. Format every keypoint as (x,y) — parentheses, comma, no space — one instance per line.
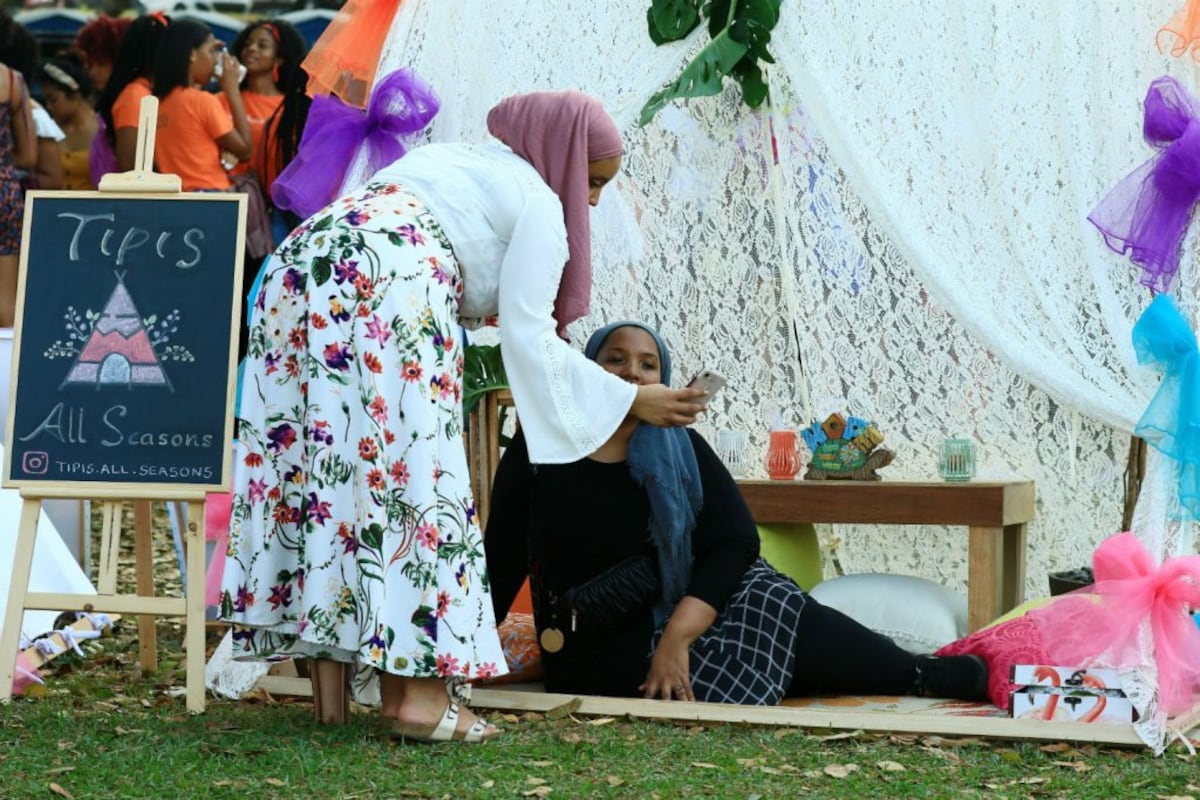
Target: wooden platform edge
(517,701)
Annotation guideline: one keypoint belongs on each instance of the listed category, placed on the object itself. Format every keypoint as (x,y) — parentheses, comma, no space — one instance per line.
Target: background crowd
(227,120)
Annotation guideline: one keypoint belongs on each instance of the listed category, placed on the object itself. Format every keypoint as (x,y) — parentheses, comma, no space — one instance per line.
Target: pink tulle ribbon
(1079,629)
(401,105)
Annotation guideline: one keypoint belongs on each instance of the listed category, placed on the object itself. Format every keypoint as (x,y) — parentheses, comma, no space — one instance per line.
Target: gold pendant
(552,640)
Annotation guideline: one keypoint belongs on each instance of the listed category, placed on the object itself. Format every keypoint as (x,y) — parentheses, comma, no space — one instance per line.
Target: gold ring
(679,688)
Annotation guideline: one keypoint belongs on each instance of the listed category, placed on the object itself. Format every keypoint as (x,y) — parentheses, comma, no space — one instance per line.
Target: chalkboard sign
(123,365)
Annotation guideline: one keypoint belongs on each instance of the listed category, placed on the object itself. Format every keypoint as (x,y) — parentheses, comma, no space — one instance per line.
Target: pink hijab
(559,133)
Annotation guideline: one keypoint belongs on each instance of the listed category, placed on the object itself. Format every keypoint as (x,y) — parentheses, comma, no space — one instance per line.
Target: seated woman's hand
(666,407)
(670,674)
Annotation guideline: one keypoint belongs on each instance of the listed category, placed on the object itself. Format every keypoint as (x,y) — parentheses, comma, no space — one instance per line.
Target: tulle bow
(1171,423)
(401,105)
(1133,588)
(1083,628)
(1147,213)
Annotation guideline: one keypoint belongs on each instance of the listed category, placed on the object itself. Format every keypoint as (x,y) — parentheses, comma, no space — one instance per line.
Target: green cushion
(792,549)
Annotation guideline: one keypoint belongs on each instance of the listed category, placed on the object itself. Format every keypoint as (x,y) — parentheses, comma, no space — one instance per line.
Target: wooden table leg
(985,576)
(1013,577)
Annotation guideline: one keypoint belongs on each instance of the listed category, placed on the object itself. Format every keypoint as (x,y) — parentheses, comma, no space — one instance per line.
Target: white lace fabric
(919,250)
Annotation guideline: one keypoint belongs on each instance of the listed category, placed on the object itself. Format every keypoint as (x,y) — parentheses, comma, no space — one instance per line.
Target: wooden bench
(994,513)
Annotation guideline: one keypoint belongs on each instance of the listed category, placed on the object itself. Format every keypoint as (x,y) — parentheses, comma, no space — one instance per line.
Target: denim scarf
(663,462)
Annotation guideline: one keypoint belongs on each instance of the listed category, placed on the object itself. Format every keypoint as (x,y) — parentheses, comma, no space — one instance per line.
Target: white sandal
(445,730)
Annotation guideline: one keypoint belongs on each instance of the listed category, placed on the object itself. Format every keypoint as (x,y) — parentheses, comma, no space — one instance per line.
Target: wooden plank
(890,502)
(520,700)
(516,700)
(119,603)
(143,559)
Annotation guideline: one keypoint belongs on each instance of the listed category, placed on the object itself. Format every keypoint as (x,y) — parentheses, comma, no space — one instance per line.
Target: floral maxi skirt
(353,534)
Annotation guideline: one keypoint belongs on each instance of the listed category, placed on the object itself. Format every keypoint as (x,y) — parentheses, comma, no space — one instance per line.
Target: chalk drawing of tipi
(118,351)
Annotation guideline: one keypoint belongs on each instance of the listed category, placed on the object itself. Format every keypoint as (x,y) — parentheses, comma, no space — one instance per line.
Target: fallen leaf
(541,763)
(535,780)
(572,738)
(601,720)
(770,771)
(1175,797)
(59,770)
(1029,781)
(613,780)
(58,790)
(540,791)
(275,782)
(1057,747)
(511,719)
(840,770)
(704,765)
(749,762)
(890,766)
(487,784)
(1078,766)
(566,709)
(833,737)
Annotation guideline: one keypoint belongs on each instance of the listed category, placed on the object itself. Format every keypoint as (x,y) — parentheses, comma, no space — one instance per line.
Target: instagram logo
(35,462)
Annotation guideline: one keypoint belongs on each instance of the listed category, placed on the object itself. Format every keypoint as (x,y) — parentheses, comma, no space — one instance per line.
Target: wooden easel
(144,603)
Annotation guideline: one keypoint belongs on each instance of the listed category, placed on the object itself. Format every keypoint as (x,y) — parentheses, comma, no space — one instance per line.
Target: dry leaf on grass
(61,792)
(601,721)
(540,791)
(275,782)
(613,780)
(890,766)
(833,737)
(566,709)
(840,770)
(60,770)
(1176,797)
(704,765)
(1056,747)
(1078,766)
(749,762)
(541,763)
(531,779)
(487,784)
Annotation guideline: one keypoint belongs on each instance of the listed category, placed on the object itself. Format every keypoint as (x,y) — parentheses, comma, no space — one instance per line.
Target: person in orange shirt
(193,128)
(273,94)
(128,83)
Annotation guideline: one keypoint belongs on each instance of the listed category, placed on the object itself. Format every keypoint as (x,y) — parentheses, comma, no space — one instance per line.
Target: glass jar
(783,460)
(957,461)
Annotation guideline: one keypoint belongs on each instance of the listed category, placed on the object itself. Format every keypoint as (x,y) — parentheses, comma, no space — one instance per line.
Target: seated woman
(683,607)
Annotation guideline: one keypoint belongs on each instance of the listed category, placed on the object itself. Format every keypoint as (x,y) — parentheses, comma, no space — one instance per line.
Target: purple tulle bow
(401,105)
(1147,213)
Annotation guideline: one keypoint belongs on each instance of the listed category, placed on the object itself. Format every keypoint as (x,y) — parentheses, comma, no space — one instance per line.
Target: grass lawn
(104,730)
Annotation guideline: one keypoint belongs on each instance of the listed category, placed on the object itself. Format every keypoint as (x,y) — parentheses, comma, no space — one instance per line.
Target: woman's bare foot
(417,706)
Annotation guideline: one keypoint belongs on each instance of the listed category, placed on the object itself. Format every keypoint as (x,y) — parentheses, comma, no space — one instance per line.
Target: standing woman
(99,41)
(354,539)
(122,97)
(193,127)
(18,150)
(68,94)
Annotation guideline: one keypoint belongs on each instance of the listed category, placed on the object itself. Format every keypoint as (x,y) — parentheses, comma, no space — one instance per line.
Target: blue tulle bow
(1171,424)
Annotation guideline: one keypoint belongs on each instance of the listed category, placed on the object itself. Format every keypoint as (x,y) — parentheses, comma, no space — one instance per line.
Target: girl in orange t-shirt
(121,100)
(193,127)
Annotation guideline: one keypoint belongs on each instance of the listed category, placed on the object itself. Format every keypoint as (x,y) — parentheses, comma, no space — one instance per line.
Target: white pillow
(917,614)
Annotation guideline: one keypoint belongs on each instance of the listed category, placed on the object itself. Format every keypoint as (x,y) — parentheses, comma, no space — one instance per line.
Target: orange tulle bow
(1131,588)
(1182,33)
(343,61)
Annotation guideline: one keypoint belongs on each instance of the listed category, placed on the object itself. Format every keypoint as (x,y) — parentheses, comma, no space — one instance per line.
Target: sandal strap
(476,732)
(447,725)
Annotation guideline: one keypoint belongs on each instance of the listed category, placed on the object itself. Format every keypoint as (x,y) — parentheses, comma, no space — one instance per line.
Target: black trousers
(835,654)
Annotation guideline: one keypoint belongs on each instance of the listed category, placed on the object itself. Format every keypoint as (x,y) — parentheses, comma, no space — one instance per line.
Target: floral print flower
(427,535)
(412,371)
(337,356)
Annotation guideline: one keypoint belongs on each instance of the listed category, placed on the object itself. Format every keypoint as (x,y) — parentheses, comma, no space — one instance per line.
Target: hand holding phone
(708,380)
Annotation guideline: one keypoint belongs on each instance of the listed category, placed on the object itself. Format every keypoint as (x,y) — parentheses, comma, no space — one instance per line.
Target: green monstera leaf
(740,32)
(483,372)
(702,77)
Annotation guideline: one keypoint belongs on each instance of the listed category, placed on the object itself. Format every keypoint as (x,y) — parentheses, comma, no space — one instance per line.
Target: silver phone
(708,380)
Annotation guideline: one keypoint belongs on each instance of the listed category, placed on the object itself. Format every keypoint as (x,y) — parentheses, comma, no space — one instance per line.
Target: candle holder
(957,461)
(783,461)
(731,449)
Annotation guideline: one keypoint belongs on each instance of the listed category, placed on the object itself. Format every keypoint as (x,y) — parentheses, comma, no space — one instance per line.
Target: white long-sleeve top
(505,226)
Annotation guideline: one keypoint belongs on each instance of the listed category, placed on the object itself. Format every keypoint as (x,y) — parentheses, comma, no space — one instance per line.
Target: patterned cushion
(1016,641)
(518,637)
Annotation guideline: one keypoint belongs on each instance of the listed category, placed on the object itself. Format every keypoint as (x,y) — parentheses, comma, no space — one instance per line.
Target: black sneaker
(954,677)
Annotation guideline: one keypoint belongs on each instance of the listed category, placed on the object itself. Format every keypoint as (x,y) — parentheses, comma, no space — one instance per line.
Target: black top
(584,517)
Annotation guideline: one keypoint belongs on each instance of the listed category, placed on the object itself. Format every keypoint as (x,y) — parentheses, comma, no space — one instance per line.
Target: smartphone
(708,380)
